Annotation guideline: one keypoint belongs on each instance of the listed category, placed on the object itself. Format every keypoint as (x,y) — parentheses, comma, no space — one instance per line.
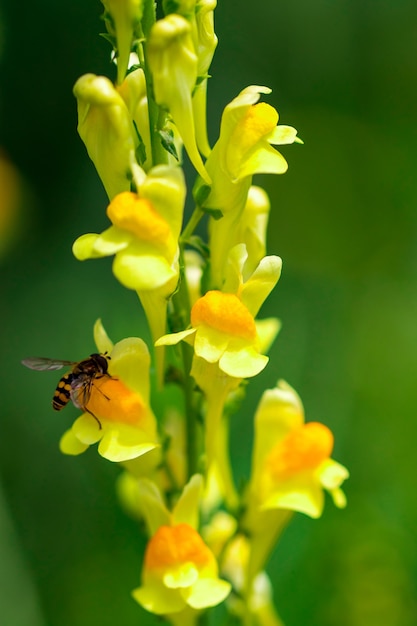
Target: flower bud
(173,63)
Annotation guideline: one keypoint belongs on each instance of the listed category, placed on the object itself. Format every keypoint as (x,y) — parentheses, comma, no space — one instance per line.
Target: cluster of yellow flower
(208,543)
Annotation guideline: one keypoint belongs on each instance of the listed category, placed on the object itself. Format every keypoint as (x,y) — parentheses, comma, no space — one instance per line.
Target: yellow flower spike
(122,18)
(243,149)
(105,126)
(179,571)
(119,416)
(173,63)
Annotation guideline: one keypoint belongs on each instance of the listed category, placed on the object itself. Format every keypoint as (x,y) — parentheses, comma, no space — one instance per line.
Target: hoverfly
(75,385)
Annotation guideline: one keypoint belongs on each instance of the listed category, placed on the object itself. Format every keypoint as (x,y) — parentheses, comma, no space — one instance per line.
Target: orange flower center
(304,448)
(111,400)
(175,545)
(224,312)
(137,215)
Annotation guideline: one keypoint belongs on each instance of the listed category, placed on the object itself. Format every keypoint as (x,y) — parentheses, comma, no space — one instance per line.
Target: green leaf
(140,152)
(216,214)
(167,140)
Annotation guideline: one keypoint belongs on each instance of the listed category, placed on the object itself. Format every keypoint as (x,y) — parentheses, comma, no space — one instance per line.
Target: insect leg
(95,417)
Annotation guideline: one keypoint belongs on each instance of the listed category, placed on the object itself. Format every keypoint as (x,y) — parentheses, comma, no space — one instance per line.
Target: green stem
(157,116)
(182,308)
(191,225)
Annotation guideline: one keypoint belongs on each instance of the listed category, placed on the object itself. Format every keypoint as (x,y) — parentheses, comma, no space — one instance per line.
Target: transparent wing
(43,364)
(81,391)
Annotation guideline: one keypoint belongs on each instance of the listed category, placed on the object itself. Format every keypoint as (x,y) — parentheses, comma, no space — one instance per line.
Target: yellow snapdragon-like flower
(119,416)
(200,15)
(248,131)
(224,332)
(144,240)
(179,571)
(106,128)
(173,63)
(292,462)
(291,468)
(223,328)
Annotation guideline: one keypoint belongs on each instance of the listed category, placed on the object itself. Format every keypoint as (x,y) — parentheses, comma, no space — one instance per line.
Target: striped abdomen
(62,393)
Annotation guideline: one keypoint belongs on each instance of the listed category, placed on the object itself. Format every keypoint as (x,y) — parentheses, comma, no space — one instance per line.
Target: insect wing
(42,364)
(81,391)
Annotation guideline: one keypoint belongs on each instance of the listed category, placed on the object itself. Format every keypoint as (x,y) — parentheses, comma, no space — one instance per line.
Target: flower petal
(70,444)
(282,135)
(101,338)
(267,330)
(159,599)
(258,287)
(208,592)
(123,443)
(305,497)
(264,160)
(86,429)
(186,511)
(183,576)
(129,357)
(242,363)
(111,241)
(210,343)
(141,272)
(174,338)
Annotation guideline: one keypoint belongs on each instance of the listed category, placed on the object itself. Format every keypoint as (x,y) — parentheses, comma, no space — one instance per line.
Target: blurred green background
(344,219)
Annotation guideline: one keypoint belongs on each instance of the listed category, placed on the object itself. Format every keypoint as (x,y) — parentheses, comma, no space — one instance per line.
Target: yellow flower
(173,63)
(292,462)
(144,240)
(200,15)
(179,571)
(223,328)
(225,333)
(125,425)
(106,128)
(244,148)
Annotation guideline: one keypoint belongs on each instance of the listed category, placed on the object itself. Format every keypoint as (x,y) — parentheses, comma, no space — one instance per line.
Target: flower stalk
(207,541)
